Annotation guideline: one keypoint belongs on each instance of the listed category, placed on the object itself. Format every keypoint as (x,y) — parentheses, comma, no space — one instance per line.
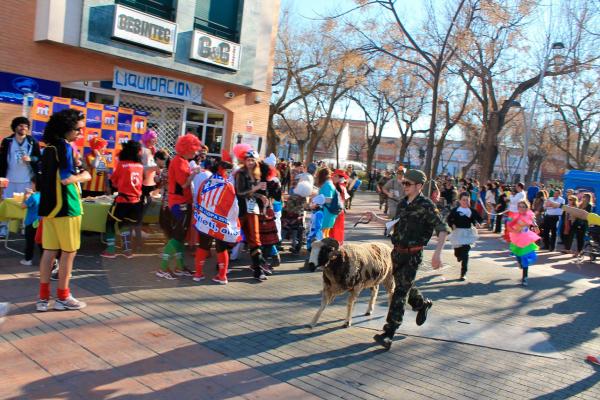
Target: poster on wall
(115,124)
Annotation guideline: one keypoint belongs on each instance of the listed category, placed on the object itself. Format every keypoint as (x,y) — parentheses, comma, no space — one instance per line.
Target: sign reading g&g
(214,50)
(143,29)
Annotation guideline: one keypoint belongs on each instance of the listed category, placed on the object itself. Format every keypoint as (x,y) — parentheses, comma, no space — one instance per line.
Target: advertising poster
(116,125)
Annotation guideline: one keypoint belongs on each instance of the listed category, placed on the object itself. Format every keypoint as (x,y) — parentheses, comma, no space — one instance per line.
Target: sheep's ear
(333,254)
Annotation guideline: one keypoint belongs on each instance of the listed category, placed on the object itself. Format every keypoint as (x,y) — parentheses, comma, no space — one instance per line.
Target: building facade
(201,66)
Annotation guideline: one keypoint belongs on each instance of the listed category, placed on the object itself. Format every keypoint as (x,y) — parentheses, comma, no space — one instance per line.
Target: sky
(314,9)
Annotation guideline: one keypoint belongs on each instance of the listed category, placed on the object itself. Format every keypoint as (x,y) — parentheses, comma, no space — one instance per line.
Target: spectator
(394,190)
(449,193)
(382,196)
(580,227)
(32,203)
(19,157)
(490,205)
(60,205)
(532,191)
(97,166)
(553,213)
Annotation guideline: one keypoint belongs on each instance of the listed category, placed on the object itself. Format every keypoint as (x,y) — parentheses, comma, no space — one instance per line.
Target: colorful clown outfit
(522,241)
(97,166)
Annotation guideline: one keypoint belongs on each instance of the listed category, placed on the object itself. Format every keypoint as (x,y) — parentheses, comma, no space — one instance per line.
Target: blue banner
(156,85)
(13,87)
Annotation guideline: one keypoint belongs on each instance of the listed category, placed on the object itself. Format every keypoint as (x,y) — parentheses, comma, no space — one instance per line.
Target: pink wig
(149,135)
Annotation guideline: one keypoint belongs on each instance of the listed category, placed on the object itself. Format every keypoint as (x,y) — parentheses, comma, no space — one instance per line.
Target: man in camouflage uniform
(417,218)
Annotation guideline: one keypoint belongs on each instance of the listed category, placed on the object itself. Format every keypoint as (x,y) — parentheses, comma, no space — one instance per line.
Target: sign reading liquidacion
(143,29)
(156,85)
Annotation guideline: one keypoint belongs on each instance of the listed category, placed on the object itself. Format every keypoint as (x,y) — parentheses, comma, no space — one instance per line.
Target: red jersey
(179,171)
(127,178)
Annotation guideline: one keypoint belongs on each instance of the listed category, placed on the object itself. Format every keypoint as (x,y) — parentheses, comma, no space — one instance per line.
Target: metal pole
(525,161)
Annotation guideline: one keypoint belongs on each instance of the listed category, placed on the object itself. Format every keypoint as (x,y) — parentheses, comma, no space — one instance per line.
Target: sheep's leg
(353,295)
(374,291)
(326,298)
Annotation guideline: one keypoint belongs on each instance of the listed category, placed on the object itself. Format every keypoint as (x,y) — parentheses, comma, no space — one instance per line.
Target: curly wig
(97,143)
(187,143)
(60,124)
(131,151)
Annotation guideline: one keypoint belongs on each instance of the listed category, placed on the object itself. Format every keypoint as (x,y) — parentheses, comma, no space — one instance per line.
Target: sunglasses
(407,183)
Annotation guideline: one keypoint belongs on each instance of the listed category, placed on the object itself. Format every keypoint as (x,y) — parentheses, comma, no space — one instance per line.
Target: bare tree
(578,108)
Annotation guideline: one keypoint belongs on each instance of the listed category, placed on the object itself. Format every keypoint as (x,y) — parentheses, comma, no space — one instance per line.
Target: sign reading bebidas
(143,29)
(156,85)
(214,50)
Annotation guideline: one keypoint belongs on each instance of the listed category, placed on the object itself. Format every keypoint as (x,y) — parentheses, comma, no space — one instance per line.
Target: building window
(72,93)
(221,18)
(101,98)
(208,126)
(165,9)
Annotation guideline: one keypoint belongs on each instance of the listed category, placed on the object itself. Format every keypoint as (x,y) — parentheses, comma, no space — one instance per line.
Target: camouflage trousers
(405,271)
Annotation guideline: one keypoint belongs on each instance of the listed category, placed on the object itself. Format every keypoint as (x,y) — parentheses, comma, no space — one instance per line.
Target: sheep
(350,268)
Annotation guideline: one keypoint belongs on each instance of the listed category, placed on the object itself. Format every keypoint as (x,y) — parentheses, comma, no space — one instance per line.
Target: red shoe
(108,254)
(593,360)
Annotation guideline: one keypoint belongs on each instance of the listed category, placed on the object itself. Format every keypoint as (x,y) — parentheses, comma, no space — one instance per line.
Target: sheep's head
(322,251)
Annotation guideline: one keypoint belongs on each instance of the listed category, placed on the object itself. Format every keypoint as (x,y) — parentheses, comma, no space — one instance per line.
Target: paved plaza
(145,338)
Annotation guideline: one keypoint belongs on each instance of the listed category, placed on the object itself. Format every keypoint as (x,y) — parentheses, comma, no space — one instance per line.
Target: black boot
(257,264)
(383,340)
(422,314)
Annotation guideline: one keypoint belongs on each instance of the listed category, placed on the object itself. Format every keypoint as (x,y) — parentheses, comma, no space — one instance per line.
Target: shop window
(72,93)
(213,139)
(221,18)
(165,9)
(215,119)
(195,116)
(102,98)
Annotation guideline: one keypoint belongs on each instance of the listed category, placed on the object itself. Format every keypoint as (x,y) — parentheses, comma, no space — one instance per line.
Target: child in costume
(292,222)
(97,166)
(269,235)
(339,178)
(216,215)
(31,203)
(522,238)
(463,220)
(316,224)
(180,205)
(127,208)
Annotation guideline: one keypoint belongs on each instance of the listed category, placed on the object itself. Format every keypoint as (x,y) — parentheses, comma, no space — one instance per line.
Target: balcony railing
(161,9)
(216,29)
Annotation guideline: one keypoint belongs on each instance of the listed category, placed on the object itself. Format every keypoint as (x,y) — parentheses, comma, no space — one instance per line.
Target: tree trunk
(272,139)
(432,126)
(370,156)
(301,146)
(467,167)
(489,151)
(337,152)
(438,154)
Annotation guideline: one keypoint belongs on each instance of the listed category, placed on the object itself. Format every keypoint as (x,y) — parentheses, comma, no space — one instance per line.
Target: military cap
(416,176)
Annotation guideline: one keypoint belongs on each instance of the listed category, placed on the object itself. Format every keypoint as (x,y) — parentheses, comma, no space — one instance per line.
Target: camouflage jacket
(295,205)
(417,221)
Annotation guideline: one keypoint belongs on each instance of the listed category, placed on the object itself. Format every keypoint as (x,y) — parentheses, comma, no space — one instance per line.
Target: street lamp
(556,46)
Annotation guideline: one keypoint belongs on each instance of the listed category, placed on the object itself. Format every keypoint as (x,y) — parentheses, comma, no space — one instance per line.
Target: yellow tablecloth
(10,209)
(94,215)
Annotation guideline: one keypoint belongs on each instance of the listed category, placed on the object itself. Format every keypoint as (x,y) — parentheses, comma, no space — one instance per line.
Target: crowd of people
(233,201)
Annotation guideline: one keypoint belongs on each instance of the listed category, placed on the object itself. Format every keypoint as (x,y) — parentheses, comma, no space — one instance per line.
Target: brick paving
(142,337)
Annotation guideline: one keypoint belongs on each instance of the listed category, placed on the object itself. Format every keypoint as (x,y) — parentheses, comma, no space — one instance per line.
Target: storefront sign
(214,50)
(143,29)
(156,85)
(14,87)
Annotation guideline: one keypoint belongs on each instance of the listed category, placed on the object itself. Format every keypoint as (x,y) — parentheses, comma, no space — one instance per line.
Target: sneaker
(41,305)
(524,282)
(259,275)
(165,275)
(70,303)
(182,272)
(198,278)
(276,260)
(462,278)
(128,253)
(267,269)
(219,281)
(382,340)
(108,254)
(26,262)
(422,314)
(54,275)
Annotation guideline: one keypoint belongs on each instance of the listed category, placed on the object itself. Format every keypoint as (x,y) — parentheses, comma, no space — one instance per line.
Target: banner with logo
(13,87)
(116,125)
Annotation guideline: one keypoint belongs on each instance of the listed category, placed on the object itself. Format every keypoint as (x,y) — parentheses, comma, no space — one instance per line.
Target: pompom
(240,150)
(187,143)
(226,156)
(303,189)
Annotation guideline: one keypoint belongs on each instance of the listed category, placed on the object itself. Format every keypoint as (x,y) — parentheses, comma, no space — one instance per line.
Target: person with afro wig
(180,177)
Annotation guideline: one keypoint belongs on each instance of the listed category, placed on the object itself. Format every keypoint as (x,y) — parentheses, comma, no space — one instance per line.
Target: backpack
(335,207)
